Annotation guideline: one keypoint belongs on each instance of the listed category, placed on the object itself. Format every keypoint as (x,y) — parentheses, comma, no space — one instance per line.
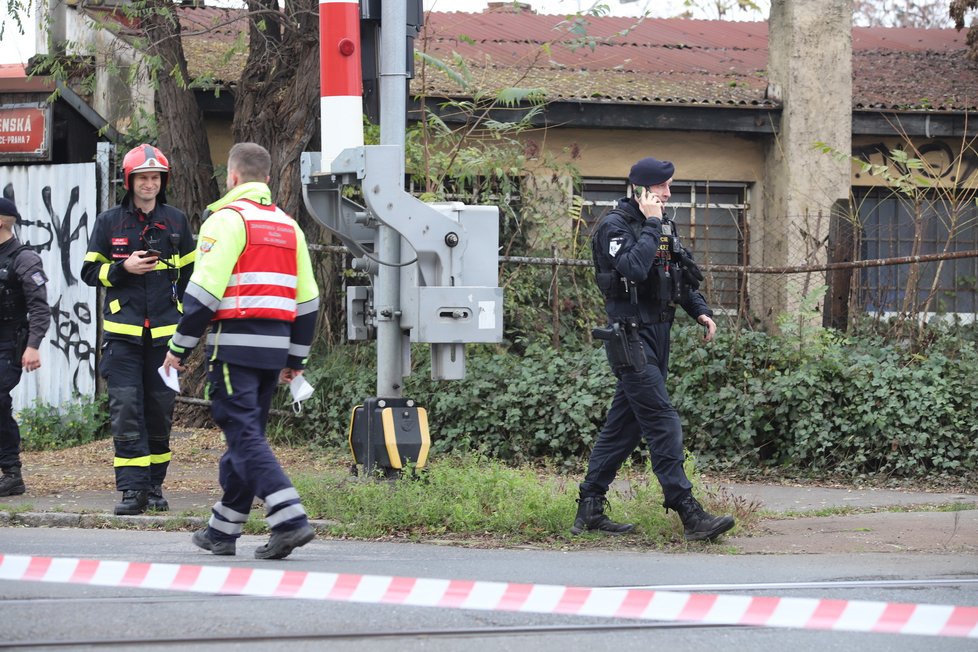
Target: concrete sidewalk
(793,499)
(886,520)
(776,499)
(920,523)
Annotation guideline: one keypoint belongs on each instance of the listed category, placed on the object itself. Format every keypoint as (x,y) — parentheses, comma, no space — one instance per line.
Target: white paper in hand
(300,388)
(172,380)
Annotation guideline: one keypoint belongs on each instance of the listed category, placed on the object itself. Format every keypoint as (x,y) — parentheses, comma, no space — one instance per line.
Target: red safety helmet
(145,158)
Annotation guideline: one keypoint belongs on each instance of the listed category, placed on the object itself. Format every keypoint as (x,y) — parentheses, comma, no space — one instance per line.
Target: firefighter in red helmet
(141,253)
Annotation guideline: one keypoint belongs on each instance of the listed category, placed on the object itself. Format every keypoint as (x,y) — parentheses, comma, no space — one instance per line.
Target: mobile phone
(151,253)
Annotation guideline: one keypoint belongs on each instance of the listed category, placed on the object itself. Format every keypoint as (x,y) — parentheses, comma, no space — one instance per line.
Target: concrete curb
(103,521)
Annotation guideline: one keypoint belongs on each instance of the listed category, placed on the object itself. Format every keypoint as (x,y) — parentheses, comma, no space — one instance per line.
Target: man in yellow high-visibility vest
(253,284)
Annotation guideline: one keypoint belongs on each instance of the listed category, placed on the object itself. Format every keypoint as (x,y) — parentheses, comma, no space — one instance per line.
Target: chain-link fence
(882,255)
(881,258)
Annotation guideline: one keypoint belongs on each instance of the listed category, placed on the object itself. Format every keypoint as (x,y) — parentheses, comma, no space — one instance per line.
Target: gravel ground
(196,453)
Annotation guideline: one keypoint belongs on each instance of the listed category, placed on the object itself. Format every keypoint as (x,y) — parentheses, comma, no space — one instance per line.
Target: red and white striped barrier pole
(340,78)
(641,604)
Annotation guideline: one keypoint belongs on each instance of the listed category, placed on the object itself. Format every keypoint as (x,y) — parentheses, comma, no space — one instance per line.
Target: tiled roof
(210,37)
(642,61)
(694,61)
(14,79)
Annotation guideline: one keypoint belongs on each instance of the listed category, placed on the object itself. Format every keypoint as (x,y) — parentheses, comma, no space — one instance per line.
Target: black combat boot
(155,499)
(590,516)
(699,525)
(12,482)
(202,539)
(133,503)
(281,544)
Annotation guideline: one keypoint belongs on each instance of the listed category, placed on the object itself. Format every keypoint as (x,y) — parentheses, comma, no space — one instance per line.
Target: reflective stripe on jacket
(136,303)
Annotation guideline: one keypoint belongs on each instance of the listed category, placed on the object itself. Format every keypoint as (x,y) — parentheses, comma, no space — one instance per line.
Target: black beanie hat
(651,172)
(8,208)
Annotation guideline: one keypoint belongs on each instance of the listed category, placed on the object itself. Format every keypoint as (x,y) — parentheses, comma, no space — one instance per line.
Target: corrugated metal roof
(628,60)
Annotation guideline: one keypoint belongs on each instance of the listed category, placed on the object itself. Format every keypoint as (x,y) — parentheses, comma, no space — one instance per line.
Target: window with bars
(711,219)
(888,231)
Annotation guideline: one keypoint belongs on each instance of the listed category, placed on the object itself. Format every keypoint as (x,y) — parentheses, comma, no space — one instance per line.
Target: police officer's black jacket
(134,302)
(621,254)
(23,293)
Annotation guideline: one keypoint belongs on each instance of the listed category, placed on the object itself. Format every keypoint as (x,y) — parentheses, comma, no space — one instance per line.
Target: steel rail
(786,586)
(462,632)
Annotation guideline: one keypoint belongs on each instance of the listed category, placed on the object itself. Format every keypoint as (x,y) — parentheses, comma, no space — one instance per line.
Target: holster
(20,342)
(623,346)
(17,335)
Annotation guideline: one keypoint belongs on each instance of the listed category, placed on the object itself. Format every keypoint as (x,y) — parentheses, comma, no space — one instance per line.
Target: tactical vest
(13,303)
(656,288)
(263,282)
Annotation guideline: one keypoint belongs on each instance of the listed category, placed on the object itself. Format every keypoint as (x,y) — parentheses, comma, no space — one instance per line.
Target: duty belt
(666,315)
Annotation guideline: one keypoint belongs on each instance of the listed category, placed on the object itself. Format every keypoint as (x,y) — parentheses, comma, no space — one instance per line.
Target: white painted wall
(58,206)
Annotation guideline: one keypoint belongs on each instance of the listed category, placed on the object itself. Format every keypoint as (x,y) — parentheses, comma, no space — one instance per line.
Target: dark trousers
(640,410)
(240,400)
(141,412)
(9,431)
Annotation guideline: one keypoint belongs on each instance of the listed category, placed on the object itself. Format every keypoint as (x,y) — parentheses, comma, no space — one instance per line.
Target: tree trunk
(180,122)
(276,105)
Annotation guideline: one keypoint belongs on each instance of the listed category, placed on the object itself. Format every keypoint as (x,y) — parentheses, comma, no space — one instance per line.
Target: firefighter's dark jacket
(618,249)
(136,302)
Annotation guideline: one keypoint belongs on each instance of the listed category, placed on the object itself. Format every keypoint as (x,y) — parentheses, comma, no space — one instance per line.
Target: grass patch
(481,500)
(16,509)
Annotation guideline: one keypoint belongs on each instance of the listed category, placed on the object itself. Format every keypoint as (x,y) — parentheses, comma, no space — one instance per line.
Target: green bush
(816,401)
(52,427)
(853,405)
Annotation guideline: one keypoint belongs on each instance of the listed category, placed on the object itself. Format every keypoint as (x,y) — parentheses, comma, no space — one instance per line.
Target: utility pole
(391,365)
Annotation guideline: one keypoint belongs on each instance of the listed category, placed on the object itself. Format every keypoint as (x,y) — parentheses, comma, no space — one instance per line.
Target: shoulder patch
(39,278)
(206,244)
(614,245)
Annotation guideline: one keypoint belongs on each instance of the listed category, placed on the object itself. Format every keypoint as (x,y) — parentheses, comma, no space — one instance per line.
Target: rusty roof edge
(619,101)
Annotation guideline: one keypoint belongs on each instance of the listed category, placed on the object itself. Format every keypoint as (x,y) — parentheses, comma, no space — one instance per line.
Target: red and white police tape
(802,613)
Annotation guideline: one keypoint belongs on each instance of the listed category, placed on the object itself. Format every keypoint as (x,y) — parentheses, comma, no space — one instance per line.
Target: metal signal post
(433,267)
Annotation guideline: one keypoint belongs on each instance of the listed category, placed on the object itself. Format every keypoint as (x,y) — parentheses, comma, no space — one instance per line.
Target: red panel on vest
(274,234)
(270,248)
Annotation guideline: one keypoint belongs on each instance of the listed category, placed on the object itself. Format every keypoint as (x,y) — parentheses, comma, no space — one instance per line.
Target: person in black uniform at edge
(643,273)
(142,253)
(24,319)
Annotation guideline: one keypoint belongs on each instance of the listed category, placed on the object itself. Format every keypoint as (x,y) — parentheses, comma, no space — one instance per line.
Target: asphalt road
(60,616)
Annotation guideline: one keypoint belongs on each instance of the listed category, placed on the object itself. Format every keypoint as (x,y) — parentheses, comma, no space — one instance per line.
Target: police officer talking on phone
(142,253)
(644,273)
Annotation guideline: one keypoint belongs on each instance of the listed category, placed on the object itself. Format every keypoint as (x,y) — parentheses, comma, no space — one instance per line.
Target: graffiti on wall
(944,163)
(57,204)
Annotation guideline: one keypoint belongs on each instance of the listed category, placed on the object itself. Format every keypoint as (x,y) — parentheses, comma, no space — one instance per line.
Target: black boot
(590,516)
(203,540)
(155,499)
(698,524)
(133,503)
(281,544)
(12,482)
